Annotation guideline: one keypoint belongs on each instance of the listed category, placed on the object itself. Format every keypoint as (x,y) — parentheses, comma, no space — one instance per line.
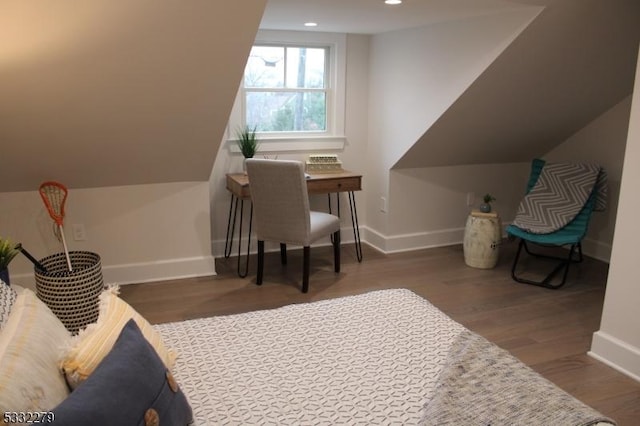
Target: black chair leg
(569,261)
(515,262)
(260,262)
(305,268)
(563,265)
(283,253)
(336,251)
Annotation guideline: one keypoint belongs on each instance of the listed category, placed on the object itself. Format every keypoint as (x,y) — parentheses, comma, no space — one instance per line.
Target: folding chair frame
(562,265)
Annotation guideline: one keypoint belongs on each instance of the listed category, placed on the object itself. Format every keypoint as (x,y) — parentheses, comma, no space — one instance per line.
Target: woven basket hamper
(71,296)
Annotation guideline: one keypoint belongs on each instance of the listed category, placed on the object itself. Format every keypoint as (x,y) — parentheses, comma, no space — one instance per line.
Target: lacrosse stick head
(54,195)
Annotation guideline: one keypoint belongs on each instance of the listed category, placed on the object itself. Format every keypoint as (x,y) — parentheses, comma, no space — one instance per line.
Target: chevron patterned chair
(569,234)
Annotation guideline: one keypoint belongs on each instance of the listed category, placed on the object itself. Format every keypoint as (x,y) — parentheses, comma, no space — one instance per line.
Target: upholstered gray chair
(282,214)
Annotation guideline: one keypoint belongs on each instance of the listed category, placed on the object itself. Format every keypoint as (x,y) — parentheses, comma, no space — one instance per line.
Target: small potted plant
(485,207)
(247,141)
(7,253)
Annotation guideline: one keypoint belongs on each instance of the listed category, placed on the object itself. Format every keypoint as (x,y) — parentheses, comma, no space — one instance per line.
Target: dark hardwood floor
(549,330)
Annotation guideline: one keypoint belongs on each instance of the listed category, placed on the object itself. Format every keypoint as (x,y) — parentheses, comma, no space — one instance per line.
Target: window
(293,91)
(286,89)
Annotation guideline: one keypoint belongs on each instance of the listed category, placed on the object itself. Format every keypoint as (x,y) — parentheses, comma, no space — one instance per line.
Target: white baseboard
(597,249)
(205,265)
(385,244)
(616,354)
(217,246)
(413,241)
(160,270)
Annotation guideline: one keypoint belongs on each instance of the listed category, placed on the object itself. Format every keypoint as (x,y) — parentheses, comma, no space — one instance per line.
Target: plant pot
(4,276)
(485,208)
(244,164)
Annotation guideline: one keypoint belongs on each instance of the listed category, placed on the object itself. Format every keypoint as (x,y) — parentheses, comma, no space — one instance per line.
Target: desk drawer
(343,184)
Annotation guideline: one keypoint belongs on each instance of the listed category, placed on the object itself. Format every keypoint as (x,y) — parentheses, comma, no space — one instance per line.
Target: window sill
(312,143)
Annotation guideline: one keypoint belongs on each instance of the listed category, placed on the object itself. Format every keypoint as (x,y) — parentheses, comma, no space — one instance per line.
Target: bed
(385,357)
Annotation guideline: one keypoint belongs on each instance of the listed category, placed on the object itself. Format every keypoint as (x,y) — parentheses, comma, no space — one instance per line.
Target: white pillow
(31,343)
(93,343)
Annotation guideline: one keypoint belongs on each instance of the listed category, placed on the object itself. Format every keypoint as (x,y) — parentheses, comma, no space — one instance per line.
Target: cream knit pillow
(93,343)
(31,343)
(7,299)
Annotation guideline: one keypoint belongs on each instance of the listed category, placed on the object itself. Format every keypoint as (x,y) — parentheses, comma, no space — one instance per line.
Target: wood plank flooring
(549,330)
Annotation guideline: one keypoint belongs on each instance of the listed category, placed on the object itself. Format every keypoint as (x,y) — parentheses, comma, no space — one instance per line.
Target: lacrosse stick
(54,195)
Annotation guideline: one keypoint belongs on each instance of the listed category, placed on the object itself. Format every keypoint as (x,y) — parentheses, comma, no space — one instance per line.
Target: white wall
(617,343)
(603,141)
(415,76)
(142,232)
(429,206)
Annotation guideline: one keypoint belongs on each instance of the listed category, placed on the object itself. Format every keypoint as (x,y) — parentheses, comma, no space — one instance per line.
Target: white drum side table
(482,238)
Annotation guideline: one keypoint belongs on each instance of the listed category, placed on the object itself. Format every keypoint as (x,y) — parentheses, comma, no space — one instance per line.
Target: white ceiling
(374,16)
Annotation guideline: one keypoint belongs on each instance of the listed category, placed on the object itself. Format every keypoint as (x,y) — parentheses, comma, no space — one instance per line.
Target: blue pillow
(130,386)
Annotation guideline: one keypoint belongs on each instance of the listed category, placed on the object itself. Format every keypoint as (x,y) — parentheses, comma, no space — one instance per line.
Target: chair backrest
(580,224)
(280,200)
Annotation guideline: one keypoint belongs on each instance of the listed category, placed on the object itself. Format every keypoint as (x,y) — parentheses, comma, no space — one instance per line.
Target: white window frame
(333,138)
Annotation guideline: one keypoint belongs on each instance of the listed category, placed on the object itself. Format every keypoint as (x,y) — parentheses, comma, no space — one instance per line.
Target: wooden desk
(317,183)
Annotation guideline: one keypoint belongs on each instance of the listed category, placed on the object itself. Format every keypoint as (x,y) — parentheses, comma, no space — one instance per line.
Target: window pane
(265,67)
(286,111)
(305,67)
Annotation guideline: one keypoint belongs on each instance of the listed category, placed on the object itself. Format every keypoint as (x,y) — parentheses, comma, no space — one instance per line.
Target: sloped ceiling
(374,16)
(575,61)
(105,93)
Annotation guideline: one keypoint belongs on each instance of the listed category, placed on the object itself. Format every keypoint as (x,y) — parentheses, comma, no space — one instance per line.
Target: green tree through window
(285,89)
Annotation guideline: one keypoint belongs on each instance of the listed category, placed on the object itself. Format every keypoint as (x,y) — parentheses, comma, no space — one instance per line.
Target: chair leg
(260,262)
(515,262)
(336,251)
(305,268)
(563,265)
(283,253)
(570,261)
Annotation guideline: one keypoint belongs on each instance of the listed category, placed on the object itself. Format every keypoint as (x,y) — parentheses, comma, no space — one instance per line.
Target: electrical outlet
(383,204)
(79,233)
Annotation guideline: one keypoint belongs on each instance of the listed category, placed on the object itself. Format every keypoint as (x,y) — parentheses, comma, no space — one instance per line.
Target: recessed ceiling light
(310,24)
(393,1)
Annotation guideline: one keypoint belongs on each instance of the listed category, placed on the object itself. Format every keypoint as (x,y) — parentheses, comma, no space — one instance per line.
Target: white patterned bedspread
(371,359)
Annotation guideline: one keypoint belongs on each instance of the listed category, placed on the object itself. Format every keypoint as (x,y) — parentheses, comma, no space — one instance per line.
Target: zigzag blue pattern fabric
(558,196)
(602,190)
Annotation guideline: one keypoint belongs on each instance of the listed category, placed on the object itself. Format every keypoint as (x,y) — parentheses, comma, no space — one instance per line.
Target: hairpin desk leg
(242,274)
(354,223)
(231,226)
